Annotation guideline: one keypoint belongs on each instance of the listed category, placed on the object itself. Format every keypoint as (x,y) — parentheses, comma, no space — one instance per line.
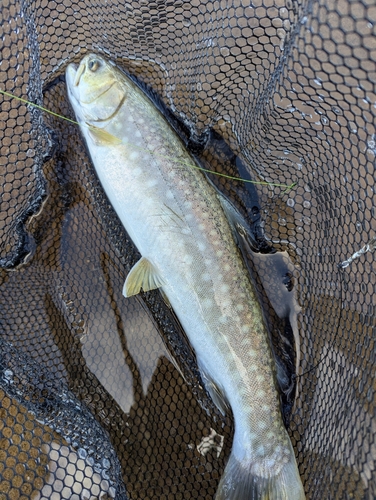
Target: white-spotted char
(178,223)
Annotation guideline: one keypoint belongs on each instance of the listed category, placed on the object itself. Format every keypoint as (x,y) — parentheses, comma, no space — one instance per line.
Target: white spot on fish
(223,319)
(186,230)
(188,259)
(224,288)
(242,390)
(200,245)
(206,277)
(137,133)
(269,463)
(152,183)
(207,303)
(201,227)
(239,307)
(260,394)
(137,172)
(245,328)
(133,155)
(169,195)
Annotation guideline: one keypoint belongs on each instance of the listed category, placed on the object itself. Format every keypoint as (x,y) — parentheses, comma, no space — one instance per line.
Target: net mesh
(100,396)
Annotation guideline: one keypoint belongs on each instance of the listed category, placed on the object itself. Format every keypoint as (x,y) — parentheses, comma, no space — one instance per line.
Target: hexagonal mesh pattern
(100,395)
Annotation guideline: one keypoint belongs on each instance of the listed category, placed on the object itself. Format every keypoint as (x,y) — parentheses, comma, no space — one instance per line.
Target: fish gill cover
(277,91)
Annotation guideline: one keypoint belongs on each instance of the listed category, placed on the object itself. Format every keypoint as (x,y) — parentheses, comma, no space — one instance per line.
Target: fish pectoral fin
(143,275)
(101,137)
(214,391)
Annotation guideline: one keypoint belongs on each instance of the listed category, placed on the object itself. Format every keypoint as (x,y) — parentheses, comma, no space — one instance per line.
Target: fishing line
(183,163)
(74,122)
(38,107)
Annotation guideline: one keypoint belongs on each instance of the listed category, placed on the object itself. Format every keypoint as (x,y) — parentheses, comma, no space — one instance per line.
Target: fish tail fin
(238,483)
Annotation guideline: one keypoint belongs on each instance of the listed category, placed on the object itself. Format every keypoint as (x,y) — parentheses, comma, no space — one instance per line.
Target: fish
(185,231)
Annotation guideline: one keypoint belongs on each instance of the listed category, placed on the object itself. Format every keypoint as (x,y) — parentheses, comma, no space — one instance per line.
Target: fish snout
(90,64)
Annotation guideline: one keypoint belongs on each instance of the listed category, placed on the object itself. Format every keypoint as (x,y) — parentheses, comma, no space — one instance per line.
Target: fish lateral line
(116,140)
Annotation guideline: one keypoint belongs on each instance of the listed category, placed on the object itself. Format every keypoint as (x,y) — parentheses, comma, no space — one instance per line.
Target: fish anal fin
(143,275)
(101,137)
(214,391)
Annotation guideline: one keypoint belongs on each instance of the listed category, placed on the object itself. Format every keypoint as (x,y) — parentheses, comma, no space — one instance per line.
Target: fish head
(95,90)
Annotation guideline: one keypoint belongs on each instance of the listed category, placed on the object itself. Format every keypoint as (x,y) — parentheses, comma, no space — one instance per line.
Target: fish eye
(93,65)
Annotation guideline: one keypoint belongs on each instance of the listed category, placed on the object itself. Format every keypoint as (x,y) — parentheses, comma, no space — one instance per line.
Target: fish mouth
(74,73)
(87,82)
(87,61)
(79,72)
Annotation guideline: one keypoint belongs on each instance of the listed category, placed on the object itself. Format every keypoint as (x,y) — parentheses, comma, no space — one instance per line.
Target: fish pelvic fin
(143,275)
(215,392)
(238,482)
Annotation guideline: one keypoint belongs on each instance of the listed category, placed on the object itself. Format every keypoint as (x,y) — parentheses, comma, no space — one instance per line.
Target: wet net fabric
(100,396)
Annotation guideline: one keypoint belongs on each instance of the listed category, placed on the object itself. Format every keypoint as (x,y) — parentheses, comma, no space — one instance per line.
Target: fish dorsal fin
(214,391)
(101,137)
(238,224)
(142,275)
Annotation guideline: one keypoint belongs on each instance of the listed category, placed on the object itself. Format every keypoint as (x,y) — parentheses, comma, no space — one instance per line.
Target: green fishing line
(262,183)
